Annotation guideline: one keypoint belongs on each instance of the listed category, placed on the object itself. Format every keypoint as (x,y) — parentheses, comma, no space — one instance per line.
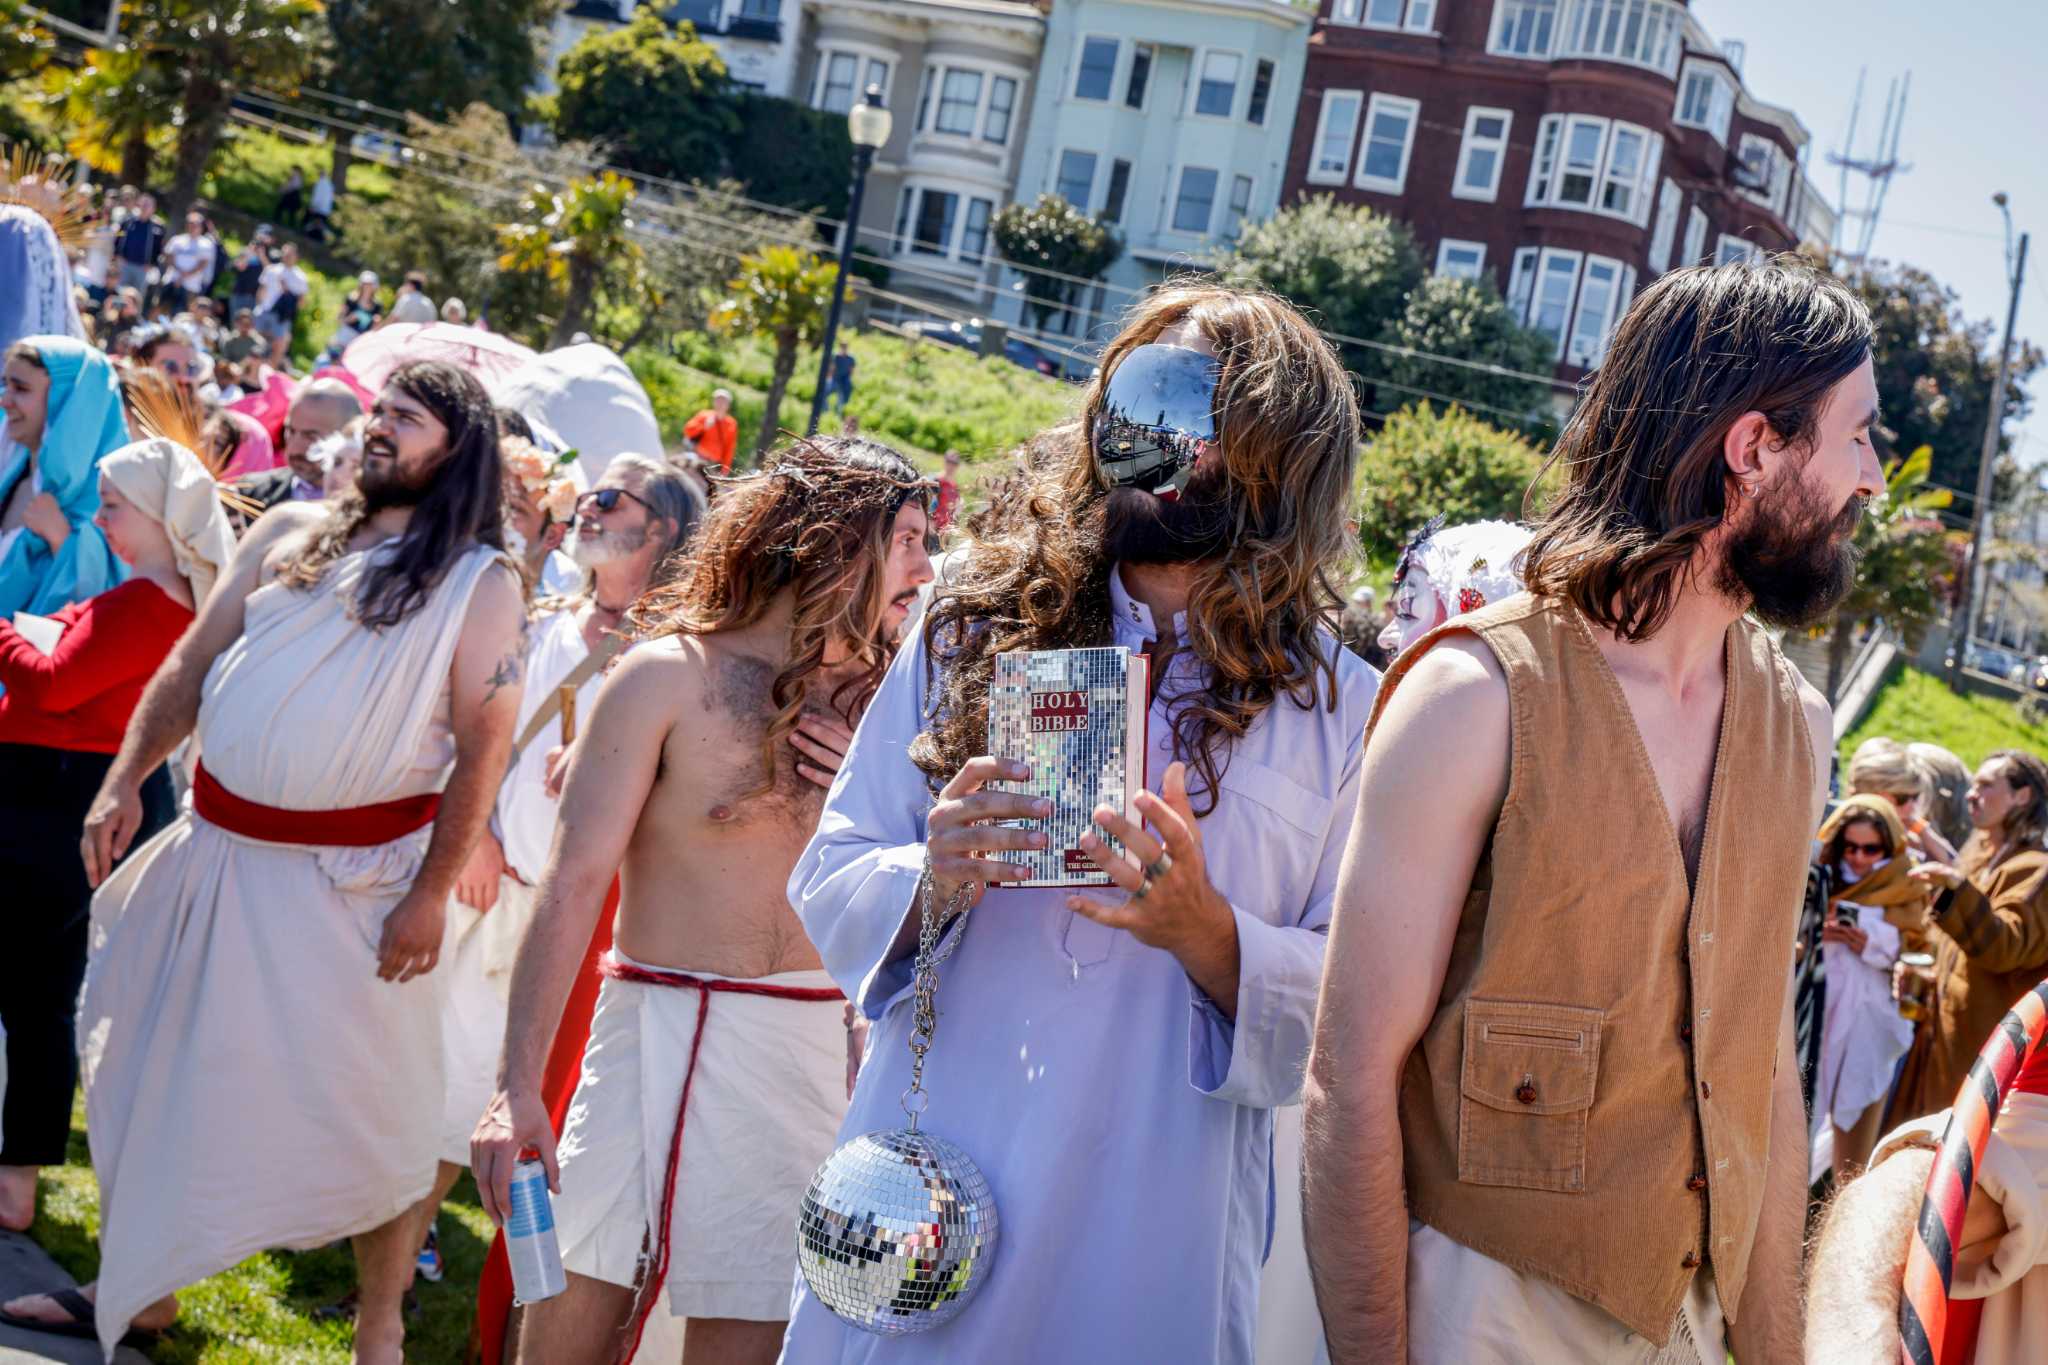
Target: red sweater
(81,696)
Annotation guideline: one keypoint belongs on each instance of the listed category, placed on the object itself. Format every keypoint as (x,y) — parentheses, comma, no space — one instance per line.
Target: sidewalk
(24,1269)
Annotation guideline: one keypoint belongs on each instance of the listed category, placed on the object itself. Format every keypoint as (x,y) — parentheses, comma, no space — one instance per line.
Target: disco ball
(896,1232)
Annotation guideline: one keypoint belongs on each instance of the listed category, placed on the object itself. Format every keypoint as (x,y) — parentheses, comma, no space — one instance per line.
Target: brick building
(1568,151)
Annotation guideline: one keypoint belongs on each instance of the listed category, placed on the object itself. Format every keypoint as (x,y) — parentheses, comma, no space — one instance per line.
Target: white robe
(250,1083)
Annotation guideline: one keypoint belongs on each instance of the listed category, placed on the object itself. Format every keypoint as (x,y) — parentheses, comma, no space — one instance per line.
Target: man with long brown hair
(1553,1108)
(1111,1059)
(697,779)
(262,1060)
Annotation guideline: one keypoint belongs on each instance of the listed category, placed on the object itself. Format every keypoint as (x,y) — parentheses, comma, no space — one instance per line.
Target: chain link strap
(925,980)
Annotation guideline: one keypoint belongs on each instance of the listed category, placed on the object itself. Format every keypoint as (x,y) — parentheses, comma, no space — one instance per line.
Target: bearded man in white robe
(259,1032)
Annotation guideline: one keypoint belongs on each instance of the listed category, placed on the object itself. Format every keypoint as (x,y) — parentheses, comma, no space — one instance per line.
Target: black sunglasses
(607,499)
(1873,850)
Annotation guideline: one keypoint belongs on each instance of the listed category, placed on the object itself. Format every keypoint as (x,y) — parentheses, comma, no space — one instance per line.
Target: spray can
(530,1243)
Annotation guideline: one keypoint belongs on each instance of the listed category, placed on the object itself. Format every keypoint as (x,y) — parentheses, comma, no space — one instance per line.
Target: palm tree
(580,237)
(780,293)
(1901,579)
(223,46)
(112,104)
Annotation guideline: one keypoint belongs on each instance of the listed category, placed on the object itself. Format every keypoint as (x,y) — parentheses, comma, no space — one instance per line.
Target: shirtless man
(1562,1119)
(698,778)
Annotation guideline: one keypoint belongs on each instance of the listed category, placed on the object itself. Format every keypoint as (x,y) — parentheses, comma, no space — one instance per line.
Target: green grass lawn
(1918,706)
(262,1310)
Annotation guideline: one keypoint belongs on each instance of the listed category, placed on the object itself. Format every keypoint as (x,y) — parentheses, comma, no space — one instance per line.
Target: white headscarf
(36,297)
(168,483)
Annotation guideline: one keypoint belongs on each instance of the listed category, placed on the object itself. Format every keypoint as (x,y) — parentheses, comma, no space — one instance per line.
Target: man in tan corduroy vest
(1554,1113)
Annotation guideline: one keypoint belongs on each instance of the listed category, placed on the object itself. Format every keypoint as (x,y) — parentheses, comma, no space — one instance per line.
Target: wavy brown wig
(464,507)
(815,520)
(2026,824)
(1645,478)
(1035,574)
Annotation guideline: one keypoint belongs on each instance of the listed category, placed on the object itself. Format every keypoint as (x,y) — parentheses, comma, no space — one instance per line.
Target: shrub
(1424,462)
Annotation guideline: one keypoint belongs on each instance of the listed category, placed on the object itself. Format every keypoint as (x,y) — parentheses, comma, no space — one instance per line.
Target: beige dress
(250,1083)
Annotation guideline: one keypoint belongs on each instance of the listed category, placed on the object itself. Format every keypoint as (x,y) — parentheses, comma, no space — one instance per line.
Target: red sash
(353,827)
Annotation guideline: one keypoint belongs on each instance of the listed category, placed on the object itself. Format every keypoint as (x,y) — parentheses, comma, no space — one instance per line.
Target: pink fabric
(372,356)
(254,451)
(337,372)
(269,404)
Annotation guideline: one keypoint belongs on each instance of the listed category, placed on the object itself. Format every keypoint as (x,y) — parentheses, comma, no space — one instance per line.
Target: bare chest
(1681,741)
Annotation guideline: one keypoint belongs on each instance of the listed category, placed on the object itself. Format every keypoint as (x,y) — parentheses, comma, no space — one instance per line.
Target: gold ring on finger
(1159,867)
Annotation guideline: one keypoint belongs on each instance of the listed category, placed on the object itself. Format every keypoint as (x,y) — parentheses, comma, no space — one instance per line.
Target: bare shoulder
(656,681)
(497,608)
(278,531)
(1441,744)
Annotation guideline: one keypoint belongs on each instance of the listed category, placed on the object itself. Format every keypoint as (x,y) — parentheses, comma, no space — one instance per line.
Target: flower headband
(540,476)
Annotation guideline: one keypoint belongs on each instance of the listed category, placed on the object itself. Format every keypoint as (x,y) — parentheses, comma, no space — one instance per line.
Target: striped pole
(1930,1260)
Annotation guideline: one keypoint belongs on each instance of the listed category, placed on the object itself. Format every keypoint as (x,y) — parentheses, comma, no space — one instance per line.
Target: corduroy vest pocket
(1525,1088)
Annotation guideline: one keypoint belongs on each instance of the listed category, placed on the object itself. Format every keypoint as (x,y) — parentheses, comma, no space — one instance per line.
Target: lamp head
(868,122)
(2000,199)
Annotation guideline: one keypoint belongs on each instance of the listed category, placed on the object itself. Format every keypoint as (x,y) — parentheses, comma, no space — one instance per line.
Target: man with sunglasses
(1111,1057)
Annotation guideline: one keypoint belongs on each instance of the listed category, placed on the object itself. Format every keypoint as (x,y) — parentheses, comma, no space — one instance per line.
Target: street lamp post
(868,122)
(1976,580)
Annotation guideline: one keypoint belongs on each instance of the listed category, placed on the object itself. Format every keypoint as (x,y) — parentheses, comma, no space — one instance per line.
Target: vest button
(1706,1091)
(1685,1033)
(1691,1261)
(1525,1093)
(1697,1183)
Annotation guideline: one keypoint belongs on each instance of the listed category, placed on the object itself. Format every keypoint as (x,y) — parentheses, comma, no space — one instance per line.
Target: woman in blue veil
(82,421)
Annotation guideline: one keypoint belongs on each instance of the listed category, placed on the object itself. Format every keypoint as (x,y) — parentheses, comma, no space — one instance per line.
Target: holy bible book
(1078,717)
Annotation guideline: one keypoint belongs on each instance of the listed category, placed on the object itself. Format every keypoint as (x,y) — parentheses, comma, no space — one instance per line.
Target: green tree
(120,106)
(1902,578)
(782,294)
(222,46)
(1353,266)
(813,155)
(687,265)
(579,238)
(1424,461)
(655,95)
(1935,369)
(1053,235)
(1450,316)
(432,57)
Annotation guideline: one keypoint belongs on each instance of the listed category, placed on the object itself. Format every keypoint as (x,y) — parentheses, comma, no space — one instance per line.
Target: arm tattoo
(505,674)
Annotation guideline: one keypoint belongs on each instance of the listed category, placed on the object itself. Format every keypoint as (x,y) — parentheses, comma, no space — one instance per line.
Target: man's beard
(605,546)
(383,484)
(1142,528)
(1794,567)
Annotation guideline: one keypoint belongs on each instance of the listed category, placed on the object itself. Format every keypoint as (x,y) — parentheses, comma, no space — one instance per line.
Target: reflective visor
(1158,410)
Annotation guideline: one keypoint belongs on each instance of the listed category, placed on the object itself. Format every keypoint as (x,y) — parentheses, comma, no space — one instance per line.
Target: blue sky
(1977,123)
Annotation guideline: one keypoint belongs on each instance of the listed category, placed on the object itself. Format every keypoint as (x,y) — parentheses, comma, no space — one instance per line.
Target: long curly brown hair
(1034,573)
(816,519)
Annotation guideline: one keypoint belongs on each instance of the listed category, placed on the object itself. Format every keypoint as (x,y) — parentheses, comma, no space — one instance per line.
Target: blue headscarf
(85,421)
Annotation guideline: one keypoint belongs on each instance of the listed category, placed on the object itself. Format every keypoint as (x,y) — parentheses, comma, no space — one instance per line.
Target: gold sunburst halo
(37,182)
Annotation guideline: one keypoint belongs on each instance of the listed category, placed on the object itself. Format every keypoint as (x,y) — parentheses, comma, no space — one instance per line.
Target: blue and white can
(530,1242)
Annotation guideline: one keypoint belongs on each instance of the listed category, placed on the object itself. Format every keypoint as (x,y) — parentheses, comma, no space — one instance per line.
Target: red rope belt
(352,827)
(611,966)
(1927,1319)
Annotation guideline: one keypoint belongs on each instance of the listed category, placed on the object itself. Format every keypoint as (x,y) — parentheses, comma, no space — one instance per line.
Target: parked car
(2037,676)
(1999,663)
(967,336)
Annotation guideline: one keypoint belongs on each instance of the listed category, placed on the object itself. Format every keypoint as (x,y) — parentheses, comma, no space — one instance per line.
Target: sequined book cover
(1077,716)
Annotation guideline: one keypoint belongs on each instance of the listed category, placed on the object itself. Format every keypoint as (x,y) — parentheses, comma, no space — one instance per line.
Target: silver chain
(925,980)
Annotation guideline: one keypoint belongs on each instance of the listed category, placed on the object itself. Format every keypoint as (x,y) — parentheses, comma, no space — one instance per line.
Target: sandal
(84,1322)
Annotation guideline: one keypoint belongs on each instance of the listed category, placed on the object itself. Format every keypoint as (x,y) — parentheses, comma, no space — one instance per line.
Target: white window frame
(1472,142)
(1237,83)
(864,57)
(1272,70)
(1545,188)
(988,107)
(975,107)
(1116,64)
(1720,105)
(1577,262)
(1779,180)
(1123,97)
(1180,178)
(1415,16)
(1396,104)
(1236,215)
(1586,338)
(1086,205)
(1123,206)
(1522,282)
(1665,234)
(1506,13)
(1744,250)
(988,217)
(1476,271)
(913,209)
(1695,236)
(1595,30)
(1316,174)
(932,94)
